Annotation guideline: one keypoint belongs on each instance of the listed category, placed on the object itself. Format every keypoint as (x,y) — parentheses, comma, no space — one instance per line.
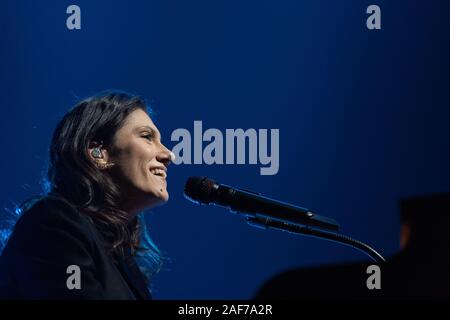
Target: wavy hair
(72,175)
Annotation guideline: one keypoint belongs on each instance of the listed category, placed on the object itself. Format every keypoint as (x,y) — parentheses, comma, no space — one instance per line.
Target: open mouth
(159,172)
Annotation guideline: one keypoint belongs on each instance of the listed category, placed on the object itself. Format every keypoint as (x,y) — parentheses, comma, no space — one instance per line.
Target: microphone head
(199,189)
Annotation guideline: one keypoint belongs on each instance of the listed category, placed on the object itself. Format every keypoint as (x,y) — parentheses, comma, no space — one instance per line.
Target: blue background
(363,115)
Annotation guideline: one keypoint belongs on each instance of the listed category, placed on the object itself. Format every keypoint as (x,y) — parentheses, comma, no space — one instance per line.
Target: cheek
(139,154)
(136,159)
(140,158)
(135,162)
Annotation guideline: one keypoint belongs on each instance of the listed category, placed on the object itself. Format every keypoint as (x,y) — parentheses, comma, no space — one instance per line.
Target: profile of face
(140,162)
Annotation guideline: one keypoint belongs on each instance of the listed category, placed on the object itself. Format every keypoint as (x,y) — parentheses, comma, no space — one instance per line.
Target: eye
(148,136)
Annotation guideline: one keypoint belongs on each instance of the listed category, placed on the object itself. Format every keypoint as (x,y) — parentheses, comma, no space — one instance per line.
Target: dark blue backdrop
(363,115)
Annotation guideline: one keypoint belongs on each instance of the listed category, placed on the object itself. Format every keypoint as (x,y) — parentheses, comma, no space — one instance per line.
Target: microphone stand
(267,223)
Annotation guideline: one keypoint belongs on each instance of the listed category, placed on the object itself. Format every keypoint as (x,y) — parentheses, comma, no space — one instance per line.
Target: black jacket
(50,236)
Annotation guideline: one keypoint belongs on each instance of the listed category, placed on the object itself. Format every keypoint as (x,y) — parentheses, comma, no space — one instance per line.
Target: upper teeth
(158,172)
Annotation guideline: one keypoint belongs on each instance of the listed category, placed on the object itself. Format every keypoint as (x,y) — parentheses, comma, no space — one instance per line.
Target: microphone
(258,208)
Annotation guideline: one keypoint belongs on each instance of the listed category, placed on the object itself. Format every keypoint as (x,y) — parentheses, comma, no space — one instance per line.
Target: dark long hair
(72,175)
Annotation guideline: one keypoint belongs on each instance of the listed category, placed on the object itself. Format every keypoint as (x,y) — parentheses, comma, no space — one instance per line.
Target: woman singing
(85,237)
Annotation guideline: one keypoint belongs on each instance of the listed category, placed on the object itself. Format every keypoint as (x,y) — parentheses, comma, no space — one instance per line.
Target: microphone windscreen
(199,189)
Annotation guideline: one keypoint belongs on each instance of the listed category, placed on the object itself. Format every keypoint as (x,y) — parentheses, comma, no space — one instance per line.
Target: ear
(97,153)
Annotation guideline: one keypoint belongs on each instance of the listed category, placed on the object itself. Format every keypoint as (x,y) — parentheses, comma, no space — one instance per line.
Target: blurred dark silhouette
(420,270)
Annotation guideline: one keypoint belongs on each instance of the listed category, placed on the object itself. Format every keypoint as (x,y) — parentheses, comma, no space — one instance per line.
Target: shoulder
(48,210)
(47,220)
(50,236)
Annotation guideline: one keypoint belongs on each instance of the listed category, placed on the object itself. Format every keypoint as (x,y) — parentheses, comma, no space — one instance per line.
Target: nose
(164,156)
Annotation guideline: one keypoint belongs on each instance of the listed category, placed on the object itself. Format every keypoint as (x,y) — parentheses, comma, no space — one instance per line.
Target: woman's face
(141,162)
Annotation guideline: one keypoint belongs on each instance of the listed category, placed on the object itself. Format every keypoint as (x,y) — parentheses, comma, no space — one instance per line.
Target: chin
(164,198)
(158,199)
